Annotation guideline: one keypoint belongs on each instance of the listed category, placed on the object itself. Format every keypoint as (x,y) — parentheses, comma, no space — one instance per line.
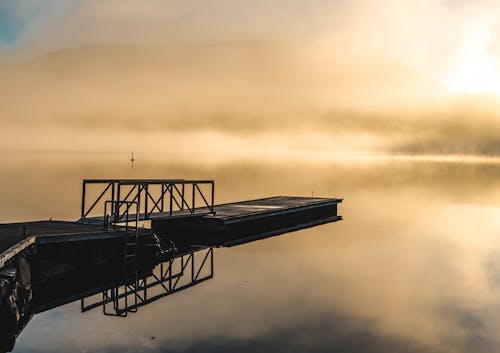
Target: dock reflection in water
(111,255)
(179,272)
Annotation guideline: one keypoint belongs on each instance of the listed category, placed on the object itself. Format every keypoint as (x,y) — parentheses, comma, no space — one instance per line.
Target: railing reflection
(171,276)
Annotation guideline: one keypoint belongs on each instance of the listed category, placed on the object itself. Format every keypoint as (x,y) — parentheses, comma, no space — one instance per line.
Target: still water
(413,267)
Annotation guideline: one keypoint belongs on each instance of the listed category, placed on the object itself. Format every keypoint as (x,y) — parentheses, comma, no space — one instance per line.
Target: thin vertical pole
(83,198)
(139,200)
(213,196)
(137,222)
(117,206)
(113,204)
(146,192)
(171,198)
(162,196)
(194,198)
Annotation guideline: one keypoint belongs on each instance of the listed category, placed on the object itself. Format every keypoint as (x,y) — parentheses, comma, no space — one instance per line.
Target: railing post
(139,200)
(112,212)
(105,218)
(117,205)
(162,196)
(194,198)
(146,196)
(213,196)
(171,198)
(83,198)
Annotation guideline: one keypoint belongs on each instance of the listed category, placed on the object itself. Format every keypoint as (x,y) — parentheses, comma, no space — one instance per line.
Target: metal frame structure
(128,201)
(126,297)
(156,198)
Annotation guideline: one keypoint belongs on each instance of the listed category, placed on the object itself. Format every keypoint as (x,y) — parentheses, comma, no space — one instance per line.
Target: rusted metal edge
(16,249)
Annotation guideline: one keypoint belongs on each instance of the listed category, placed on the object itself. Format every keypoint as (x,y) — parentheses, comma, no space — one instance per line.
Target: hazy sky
(402,63)
(442,39)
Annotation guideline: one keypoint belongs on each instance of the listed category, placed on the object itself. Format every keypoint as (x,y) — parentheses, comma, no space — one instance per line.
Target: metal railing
(114,208)
(154,197)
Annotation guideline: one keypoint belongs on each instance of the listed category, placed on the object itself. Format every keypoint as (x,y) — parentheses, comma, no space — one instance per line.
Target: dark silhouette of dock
(108,242)
(181,210)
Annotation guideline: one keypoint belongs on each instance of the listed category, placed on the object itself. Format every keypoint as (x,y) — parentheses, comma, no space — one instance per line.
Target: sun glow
(476,71)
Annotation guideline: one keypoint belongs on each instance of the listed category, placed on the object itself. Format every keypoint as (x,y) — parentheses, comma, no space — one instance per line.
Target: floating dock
(240,222)
(181,212)
(107,242)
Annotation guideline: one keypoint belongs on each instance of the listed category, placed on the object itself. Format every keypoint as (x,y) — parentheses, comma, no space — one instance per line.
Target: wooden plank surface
(268,207)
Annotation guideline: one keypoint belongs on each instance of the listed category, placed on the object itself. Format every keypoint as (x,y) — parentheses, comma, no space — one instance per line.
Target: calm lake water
(413,267)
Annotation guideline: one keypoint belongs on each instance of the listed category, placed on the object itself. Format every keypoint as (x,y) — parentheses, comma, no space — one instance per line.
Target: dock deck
(267,207)
(229,221)
(240,222)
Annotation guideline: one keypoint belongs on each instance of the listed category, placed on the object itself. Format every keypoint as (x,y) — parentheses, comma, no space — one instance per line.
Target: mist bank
(234,83)
(255,96)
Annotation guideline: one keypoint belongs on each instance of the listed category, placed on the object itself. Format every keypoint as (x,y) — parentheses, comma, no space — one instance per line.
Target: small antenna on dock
(132,160)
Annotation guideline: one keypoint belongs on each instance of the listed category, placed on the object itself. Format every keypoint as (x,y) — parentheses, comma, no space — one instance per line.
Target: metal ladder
(119,296)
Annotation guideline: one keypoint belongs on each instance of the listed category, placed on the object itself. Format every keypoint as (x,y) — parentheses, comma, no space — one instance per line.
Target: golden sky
(374,73)
(450,40)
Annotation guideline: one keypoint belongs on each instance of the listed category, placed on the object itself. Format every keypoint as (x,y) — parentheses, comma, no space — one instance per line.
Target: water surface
(413,267)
